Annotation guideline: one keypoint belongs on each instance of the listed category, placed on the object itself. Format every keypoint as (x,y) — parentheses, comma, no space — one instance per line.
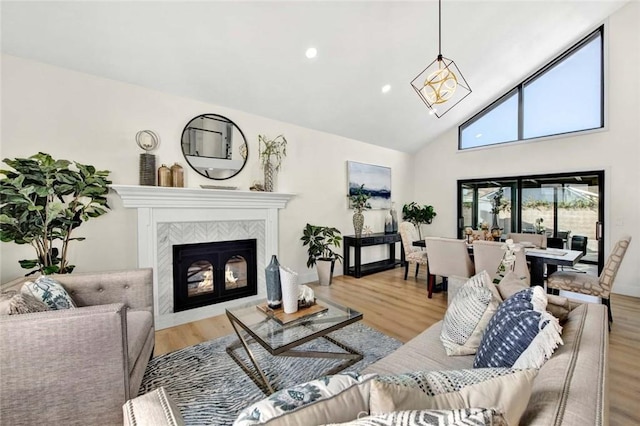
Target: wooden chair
(412,254)
(589,284)
(447,257)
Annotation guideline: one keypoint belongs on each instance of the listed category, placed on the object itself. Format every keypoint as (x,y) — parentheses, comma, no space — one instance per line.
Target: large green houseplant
(43,201)
(418,215)
(320,241)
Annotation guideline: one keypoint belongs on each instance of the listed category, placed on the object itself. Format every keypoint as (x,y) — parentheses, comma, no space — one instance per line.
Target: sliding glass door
(567,207)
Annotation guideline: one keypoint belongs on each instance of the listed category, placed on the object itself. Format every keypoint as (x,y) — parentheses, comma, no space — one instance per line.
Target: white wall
(93,120)
(615,150)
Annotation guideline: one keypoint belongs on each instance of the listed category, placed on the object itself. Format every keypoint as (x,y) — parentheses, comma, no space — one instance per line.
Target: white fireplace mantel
(135,196)
(198,215)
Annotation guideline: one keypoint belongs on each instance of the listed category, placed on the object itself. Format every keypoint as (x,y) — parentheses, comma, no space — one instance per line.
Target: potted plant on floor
(43,201)
(418,215)
(320,240)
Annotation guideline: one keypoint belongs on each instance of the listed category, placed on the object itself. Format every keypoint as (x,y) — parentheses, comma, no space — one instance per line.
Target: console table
(358,269)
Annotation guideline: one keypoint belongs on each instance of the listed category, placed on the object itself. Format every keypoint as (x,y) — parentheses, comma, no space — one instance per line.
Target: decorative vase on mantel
(358,223)
(269,173)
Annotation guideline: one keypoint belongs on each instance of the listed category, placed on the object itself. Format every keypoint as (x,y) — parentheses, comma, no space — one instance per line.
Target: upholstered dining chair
(412,254)
(539,240)
(487,256)
(447,257)
(589,284)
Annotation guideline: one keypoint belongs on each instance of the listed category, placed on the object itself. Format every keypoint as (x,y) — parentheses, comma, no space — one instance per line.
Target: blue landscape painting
(376,180)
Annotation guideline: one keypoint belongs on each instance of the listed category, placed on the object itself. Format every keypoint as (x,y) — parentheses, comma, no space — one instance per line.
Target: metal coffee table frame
(350,355)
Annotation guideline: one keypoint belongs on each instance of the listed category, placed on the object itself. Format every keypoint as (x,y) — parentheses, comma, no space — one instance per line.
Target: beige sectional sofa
(570,389)
(78,366)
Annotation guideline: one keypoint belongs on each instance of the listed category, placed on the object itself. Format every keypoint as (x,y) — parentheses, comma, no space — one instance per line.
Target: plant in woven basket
(43,201)
(271,152)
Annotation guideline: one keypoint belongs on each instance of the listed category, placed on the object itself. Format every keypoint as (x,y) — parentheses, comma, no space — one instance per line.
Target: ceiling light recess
(311,52)
(441,83)
(386,88)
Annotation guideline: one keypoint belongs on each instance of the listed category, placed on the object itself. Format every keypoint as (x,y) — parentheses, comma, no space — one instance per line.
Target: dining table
(538,258)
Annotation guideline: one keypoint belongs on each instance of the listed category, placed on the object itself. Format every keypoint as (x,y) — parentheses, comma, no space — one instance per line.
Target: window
(564,96)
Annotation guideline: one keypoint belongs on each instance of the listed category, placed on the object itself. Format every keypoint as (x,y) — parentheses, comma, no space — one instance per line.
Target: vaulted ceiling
(251,55)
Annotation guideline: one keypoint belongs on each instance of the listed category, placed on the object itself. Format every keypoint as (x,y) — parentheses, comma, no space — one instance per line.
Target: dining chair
(412,254)
(590,284)
(539,240)
(447,257)
(487,256)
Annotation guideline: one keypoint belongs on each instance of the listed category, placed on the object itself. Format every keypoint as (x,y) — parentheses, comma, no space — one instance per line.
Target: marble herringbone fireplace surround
(173,216)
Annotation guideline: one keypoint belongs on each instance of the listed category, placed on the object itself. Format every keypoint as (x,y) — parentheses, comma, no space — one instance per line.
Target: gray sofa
(78,366)
(571,388)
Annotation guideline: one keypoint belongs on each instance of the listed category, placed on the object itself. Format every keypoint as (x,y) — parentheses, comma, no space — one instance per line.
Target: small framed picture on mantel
(376,181)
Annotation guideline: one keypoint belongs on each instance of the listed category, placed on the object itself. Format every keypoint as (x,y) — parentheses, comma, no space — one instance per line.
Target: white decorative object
(290,291)
(307,296)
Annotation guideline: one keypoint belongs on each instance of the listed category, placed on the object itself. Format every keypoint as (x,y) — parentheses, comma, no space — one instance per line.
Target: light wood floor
(401,309)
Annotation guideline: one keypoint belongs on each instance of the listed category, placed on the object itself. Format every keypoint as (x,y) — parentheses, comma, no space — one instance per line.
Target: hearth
(213,272)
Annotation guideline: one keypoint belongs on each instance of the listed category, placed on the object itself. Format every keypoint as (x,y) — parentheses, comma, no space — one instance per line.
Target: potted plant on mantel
(271,152)
(44,201)
(418,215)
(320,240)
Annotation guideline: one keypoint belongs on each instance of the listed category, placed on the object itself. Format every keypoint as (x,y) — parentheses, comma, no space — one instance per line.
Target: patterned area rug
(211,389)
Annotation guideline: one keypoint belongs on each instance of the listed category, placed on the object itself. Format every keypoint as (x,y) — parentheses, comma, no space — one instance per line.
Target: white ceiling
(251,55)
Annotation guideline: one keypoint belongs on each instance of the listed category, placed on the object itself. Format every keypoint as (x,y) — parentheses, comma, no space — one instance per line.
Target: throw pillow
(521,334)
(50,292)
(559,307)
(510,285)
(468,315)
(503,389)
(341,397)
(466,416)
(14,303)
(5,300)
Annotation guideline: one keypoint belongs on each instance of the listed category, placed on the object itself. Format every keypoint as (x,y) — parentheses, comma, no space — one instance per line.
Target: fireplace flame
(229,277)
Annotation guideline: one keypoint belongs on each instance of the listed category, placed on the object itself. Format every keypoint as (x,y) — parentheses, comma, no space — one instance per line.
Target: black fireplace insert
(215,272)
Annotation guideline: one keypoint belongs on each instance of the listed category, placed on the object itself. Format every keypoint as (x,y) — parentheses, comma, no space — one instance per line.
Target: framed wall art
(376,181)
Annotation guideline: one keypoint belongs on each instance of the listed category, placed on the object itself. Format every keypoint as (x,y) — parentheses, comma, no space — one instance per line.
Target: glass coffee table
(252,325)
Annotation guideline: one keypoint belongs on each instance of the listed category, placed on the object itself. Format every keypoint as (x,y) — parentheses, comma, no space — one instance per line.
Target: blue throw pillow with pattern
(50,292)
(521,334)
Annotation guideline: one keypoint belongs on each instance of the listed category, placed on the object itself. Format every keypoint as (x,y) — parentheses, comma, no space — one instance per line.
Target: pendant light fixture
(441,85)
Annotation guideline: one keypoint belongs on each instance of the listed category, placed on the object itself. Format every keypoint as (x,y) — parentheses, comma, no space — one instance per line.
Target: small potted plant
(271,152)
(320,240)
(359,201)
(418,215)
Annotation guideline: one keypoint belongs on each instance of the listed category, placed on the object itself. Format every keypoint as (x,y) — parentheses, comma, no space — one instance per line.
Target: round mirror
(214,146)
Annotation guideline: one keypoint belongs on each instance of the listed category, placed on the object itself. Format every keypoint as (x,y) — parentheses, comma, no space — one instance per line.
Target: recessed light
(479,135)
(386,88)
(311,52)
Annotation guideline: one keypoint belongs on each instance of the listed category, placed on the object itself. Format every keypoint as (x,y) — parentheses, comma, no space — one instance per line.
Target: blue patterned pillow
(340,397)
(50,292)
(521,334)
